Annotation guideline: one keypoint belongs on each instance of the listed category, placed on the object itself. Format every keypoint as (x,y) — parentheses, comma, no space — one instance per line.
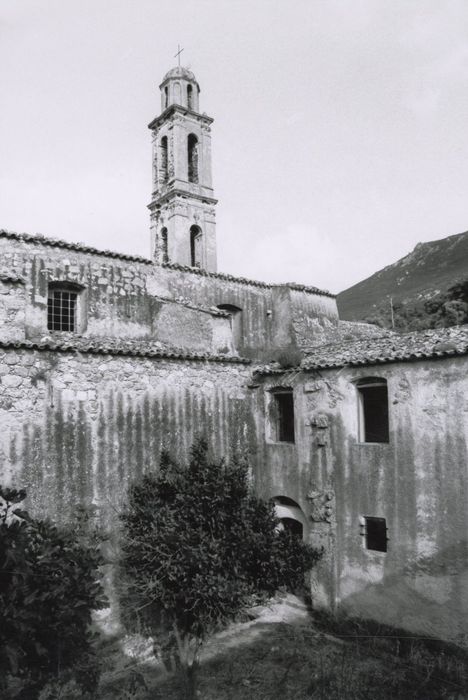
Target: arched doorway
(290,515)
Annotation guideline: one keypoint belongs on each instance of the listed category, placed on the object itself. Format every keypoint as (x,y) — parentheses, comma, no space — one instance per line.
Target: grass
(325,659)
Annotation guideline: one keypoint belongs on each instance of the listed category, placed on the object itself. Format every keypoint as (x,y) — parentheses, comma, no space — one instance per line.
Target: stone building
(105,359)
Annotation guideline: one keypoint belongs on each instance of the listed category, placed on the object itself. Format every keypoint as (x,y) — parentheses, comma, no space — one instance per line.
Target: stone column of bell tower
(183,226)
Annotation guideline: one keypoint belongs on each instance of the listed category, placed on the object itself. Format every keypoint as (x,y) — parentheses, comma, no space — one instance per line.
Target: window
(375,533)
(189,96)
(283,407)
(166,97)
(195,246)
(236,323)
(62,307)
(290,515)
(373,410)
(192,146)
(164,246)
(164,160)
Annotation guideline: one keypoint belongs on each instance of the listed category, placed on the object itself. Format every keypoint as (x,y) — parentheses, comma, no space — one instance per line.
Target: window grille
(375,532)
(61,310)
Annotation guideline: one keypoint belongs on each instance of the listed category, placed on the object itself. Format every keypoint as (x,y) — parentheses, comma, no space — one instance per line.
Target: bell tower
(183,226)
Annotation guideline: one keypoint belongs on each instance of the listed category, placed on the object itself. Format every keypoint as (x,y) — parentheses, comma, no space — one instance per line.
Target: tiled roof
(244,280)
(80,247)
(420,345)
(108,346)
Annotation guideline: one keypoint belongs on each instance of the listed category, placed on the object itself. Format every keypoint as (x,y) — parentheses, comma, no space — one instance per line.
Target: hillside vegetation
(428,288)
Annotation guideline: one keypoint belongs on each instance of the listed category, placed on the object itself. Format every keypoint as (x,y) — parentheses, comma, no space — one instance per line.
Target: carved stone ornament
(322,506)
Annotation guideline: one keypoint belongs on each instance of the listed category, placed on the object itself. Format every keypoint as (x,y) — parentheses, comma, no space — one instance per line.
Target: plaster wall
(117,300)
(418,482)
(76,427)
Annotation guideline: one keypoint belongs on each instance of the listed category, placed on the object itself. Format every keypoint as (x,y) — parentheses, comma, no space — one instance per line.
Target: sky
(340,137)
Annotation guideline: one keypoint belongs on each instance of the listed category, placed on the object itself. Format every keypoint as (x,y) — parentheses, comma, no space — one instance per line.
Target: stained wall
(418,482)
(76,427)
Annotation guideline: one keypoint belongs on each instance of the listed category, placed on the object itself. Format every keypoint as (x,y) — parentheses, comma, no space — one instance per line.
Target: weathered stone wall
(75,427)
(12,309)
(117,299)
(272,316)
(417,482)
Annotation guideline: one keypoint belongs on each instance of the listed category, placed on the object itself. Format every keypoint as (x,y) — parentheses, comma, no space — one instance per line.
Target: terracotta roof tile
(108,346)
(439,342)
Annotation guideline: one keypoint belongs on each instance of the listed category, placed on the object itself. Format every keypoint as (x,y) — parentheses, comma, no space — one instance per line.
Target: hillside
(430,269)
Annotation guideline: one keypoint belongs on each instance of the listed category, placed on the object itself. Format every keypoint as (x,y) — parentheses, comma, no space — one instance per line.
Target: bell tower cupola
(183,227)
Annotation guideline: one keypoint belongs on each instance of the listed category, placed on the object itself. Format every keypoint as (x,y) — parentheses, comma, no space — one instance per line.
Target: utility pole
(391,311)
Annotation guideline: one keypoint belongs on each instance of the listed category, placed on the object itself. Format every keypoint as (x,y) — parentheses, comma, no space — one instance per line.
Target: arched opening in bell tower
(192,144)
(189,97)
(164,246)
(164,161)
(195,246)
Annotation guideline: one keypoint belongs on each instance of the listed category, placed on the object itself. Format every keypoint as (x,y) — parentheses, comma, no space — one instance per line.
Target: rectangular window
(61,310)
(284,416)
(375,531)
(373,411)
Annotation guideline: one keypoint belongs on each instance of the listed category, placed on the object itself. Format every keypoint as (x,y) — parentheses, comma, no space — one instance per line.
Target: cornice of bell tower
(182,202)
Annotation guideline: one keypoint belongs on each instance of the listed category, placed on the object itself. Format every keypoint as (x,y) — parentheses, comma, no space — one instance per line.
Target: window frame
(369,383)
(79,292)
(275,430)
(364,524)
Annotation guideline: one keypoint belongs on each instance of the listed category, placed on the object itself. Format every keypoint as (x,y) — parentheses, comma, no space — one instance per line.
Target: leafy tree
(197,544)
(48,588)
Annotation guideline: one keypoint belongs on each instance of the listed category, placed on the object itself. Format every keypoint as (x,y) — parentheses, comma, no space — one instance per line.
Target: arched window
(164,246)
(166,97)
(164,160)
(192,147)
(373,409)
(189,96)
(195,246)
(236,323)
(290,515)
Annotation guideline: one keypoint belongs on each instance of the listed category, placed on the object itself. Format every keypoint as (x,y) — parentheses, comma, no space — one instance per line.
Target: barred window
(375,532)
(61,309)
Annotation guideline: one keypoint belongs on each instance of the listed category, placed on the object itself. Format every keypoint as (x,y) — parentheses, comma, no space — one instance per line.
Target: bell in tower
(183,227)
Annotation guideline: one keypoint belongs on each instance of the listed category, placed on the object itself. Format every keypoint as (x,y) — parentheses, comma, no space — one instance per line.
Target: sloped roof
(440,342)
(112,346)
(395,347)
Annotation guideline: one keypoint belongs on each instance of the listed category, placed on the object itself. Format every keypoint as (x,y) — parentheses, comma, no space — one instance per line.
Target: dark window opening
(195,246)
(192,145)
(61,309)
(166,97)
(376,534)
(373,410)
(189,96)
(164,246)
(293,526)
(164,160)
(285,416)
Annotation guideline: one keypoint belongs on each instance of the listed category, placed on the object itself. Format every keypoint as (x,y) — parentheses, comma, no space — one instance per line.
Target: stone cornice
(182,110)
(171,194)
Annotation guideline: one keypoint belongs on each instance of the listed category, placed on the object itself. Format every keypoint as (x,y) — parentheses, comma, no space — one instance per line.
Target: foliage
(196,545)
(289,357)
(48,588)
(449,308)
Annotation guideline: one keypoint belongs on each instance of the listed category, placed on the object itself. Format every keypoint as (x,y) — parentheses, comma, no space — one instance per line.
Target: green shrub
(197,544)
(49,587)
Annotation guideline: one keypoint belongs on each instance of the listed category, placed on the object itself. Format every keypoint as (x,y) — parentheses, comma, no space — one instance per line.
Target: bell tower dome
(183,226)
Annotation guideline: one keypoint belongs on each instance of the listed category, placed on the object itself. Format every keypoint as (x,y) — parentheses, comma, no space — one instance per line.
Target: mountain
(427,272)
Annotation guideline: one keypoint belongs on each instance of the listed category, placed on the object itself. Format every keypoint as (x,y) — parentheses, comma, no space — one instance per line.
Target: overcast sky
(340,137)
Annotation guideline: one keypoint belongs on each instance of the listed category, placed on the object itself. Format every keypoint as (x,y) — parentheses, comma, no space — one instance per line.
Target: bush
(289,357)
(197,544)
(48,588)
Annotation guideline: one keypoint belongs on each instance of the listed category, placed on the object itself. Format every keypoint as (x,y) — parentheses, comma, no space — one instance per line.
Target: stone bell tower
(183,227)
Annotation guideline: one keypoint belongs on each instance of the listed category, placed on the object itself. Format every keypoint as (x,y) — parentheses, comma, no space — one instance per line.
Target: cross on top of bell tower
(177,55)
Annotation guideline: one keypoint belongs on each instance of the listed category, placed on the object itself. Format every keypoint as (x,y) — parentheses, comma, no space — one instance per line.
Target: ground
(285,653)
